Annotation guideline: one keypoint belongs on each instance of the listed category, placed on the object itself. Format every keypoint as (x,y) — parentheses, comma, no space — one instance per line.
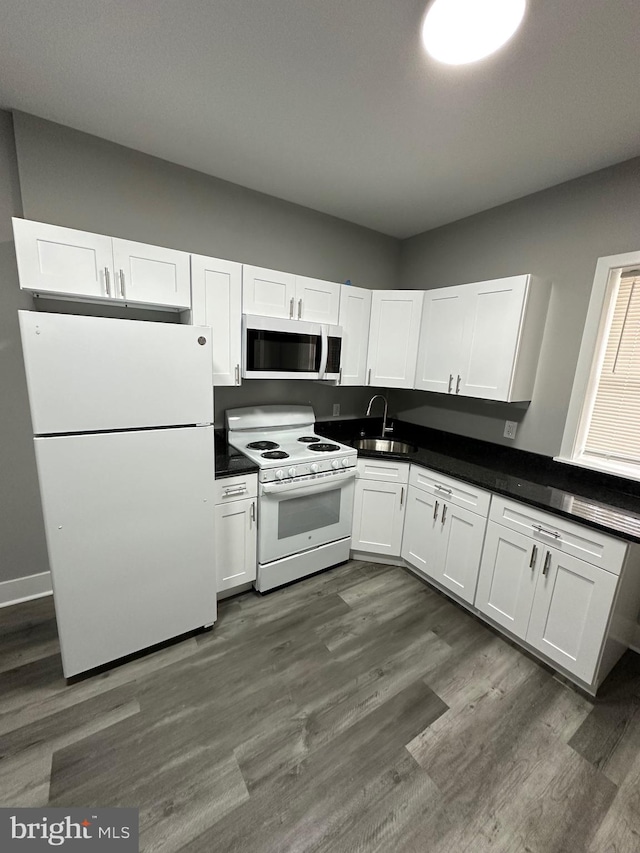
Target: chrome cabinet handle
(291,308)
(435,511)
(458,385)
(443,489)
(252,514)
(534,554)
(340,377)
(234,490)
(401,496)
(237,374)
(450,383)
(546,532)
(547,563)
(369,378)
(122,284)
(299,309)
(107,282)
(444,513)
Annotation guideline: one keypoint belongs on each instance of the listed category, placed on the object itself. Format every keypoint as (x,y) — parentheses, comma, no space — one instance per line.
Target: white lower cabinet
(531,584)
(236,531)
(442,536)
(379,507)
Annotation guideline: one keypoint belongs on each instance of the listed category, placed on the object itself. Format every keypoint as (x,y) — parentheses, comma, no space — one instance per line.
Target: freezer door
(95,373)
(129,520)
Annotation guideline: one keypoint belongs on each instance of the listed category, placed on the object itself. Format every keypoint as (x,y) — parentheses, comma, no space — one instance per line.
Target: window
(603,421)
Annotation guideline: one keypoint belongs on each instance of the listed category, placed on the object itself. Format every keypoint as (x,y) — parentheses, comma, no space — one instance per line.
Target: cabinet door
(354,317)
(492,332)
(216,290)
(268,293)
(507,581)
(63,262)
(378,517)
(421,539)
(152,275)
(393,338)
(463,535)
(317,301)
(570,612)
(235,532)
(441,340)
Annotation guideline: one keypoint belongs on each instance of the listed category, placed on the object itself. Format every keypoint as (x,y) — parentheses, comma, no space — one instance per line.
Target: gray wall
(559,234)
(80,181)
(73,179)
(22,545)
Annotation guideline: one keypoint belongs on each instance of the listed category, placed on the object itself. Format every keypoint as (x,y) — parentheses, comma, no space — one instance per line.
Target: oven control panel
(321,469)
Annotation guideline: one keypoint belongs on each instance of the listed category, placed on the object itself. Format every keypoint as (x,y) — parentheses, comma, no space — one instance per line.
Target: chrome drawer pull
(234,490)
(545,532)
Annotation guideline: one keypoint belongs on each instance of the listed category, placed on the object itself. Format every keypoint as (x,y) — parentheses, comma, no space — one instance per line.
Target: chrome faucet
(385,428)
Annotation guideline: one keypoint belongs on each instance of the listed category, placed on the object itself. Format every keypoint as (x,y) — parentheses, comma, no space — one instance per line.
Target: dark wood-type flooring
(357,710)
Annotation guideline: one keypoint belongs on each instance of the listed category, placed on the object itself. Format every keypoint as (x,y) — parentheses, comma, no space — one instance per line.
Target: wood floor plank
(305,805)
(619,831)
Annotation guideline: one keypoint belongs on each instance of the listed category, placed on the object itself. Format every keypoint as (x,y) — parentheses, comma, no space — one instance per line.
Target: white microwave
(274,348)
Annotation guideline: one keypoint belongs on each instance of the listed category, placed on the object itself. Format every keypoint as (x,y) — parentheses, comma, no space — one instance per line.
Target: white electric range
(305,494)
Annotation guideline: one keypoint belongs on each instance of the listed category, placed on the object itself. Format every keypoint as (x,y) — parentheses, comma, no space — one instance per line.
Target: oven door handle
(299,490)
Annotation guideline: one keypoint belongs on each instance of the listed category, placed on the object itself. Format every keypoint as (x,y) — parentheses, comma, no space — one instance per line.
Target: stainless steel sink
(384,445)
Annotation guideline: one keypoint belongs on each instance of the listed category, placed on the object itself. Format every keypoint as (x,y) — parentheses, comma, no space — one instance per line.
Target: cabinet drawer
(381,469)
(452,491)
(235,488)
(570,538)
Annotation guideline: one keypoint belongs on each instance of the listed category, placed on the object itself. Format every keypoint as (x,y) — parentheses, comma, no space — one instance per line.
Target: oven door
(276,348)
(297,516)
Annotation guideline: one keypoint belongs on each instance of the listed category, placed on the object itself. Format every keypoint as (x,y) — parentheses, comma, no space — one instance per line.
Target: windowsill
(602,467)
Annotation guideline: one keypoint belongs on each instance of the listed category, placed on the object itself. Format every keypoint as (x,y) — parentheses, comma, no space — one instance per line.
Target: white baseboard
(24,589)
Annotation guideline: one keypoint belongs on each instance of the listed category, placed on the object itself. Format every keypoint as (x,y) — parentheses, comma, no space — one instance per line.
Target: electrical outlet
(510,428)
(336,410)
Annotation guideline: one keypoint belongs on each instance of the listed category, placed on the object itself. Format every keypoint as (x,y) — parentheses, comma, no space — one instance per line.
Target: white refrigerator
(122,414)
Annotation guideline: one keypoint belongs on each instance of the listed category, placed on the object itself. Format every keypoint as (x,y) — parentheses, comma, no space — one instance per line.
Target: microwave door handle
(325,353)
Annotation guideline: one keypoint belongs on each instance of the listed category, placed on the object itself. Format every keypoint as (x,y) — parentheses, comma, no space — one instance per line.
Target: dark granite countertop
(603,502)
(230,461)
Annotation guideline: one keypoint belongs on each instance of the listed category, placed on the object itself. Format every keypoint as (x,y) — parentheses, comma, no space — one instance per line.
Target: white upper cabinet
(268,293)
(483,340)
(63,262)
(393,337)
(68,264)
(216,290)
(317,301)
(151,275)
(441,339)
(355,313)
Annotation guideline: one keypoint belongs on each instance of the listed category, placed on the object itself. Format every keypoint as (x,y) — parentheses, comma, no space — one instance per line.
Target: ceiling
(331,103)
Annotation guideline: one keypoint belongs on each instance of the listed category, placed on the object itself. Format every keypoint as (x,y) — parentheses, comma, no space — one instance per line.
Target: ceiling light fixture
(461,31)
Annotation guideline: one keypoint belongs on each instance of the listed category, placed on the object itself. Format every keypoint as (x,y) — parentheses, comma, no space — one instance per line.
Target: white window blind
(613,432)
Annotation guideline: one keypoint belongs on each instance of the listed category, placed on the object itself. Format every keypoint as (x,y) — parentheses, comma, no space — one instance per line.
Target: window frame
(607,276)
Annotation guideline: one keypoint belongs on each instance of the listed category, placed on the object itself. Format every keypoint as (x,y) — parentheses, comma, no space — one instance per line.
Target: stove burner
(263,445)
(323,447)
(308,439)
(274,454)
